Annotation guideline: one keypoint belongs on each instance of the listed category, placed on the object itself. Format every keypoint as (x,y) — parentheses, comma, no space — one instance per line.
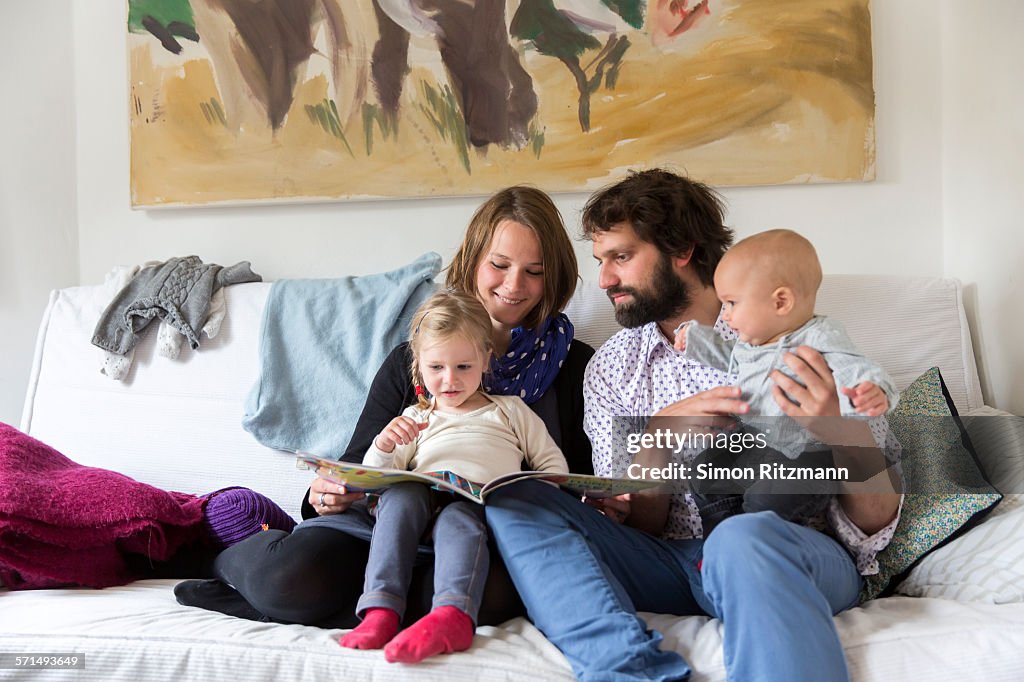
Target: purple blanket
(64,524)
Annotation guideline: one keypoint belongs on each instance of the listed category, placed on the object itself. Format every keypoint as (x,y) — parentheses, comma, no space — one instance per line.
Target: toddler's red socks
(377,629)
(442,631)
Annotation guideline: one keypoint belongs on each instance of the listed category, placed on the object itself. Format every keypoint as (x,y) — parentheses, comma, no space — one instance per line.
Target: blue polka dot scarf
(531,363)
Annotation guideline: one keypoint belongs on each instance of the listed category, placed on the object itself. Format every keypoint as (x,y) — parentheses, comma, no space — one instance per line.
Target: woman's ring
(323,504)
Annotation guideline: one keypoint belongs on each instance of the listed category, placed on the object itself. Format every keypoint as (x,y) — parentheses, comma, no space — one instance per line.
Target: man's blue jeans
(775,586)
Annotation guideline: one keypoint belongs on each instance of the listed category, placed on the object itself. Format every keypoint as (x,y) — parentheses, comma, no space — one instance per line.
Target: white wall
(38,236)
(894,224)
(983,138)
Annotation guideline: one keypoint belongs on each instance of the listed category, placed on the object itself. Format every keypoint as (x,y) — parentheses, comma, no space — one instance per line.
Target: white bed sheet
(138,632)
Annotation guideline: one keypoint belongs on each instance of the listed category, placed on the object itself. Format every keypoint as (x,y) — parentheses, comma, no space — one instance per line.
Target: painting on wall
(239,101)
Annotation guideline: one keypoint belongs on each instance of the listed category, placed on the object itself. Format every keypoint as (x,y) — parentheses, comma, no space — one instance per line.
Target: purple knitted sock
(233,514)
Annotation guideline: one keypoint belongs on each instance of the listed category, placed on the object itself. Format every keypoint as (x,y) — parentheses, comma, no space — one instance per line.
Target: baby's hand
(680,341)
(867,398)
(399,431)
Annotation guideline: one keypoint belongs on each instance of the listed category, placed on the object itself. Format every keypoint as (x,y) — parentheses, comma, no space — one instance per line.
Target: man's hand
(872,504)
(615,508)
(718,402)
(707,412)
(328,497)
(817,396)
(646,511)
(815,403)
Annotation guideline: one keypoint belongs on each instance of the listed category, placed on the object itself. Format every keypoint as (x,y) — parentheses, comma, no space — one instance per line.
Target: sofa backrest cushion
(905,324)
(176,424)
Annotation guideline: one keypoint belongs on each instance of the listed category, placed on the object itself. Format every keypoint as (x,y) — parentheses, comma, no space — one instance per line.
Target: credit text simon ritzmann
(735,442)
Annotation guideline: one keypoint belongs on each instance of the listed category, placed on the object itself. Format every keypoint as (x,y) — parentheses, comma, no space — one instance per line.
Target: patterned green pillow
(947,490)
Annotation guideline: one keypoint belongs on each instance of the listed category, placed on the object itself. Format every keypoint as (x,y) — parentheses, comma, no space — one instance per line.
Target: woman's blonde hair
(444,315)
(534,209)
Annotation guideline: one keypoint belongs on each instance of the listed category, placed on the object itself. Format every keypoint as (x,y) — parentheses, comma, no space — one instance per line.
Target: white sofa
(176,424)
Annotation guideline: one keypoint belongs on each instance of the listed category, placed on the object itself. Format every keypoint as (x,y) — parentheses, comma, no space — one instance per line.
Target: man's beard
(663,298)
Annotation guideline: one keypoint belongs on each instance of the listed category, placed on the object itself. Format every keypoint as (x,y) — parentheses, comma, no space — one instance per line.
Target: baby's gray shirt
(753,365)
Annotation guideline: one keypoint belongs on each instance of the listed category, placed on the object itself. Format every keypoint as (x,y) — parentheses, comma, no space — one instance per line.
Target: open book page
(367,479)
(358,477)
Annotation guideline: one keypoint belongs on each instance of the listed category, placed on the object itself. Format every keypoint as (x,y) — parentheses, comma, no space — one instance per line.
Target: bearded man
(584,570)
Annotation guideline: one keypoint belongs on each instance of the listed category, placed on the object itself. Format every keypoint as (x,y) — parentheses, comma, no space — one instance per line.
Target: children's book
(358,477)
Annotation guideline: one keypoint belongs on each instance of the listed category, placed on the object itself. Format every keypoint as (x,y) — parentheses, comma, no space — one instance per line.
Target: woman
(516,258)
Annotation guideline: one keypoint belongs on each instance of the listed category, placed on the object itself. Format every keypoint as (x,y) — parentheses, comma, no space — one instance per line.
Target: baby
(768,284)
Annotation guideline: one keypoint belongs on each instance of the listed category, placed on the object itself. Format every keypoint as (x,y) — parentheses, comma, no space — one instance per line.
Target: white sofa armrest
(998,439)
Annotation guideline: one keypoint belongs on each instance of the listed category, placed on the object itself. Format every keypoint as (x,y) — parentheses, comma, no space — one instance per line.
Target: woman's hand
(399,431)
(328,497)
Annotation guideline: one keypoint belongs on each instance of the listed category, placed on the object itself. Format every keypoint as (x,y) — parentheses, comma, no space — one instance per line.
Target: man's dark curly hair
(667,210)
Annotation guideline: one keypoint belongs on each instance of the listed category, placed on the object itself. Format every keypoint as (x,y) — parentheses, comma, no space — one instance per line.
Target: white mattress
(896,638)
(138,632)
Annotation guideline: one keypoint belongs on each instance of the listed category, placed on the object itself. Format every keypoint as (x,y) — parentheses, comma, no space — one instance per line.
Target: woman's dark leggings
(314,576)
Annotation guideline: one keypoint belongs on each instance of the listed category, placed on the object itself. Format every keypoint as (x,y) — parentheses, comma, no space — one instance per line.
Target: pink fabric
(64,524)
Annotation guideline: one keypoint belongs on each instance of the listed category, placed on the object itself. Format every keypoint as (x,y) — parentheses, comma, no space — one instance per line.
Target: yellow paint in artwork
(774,92)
